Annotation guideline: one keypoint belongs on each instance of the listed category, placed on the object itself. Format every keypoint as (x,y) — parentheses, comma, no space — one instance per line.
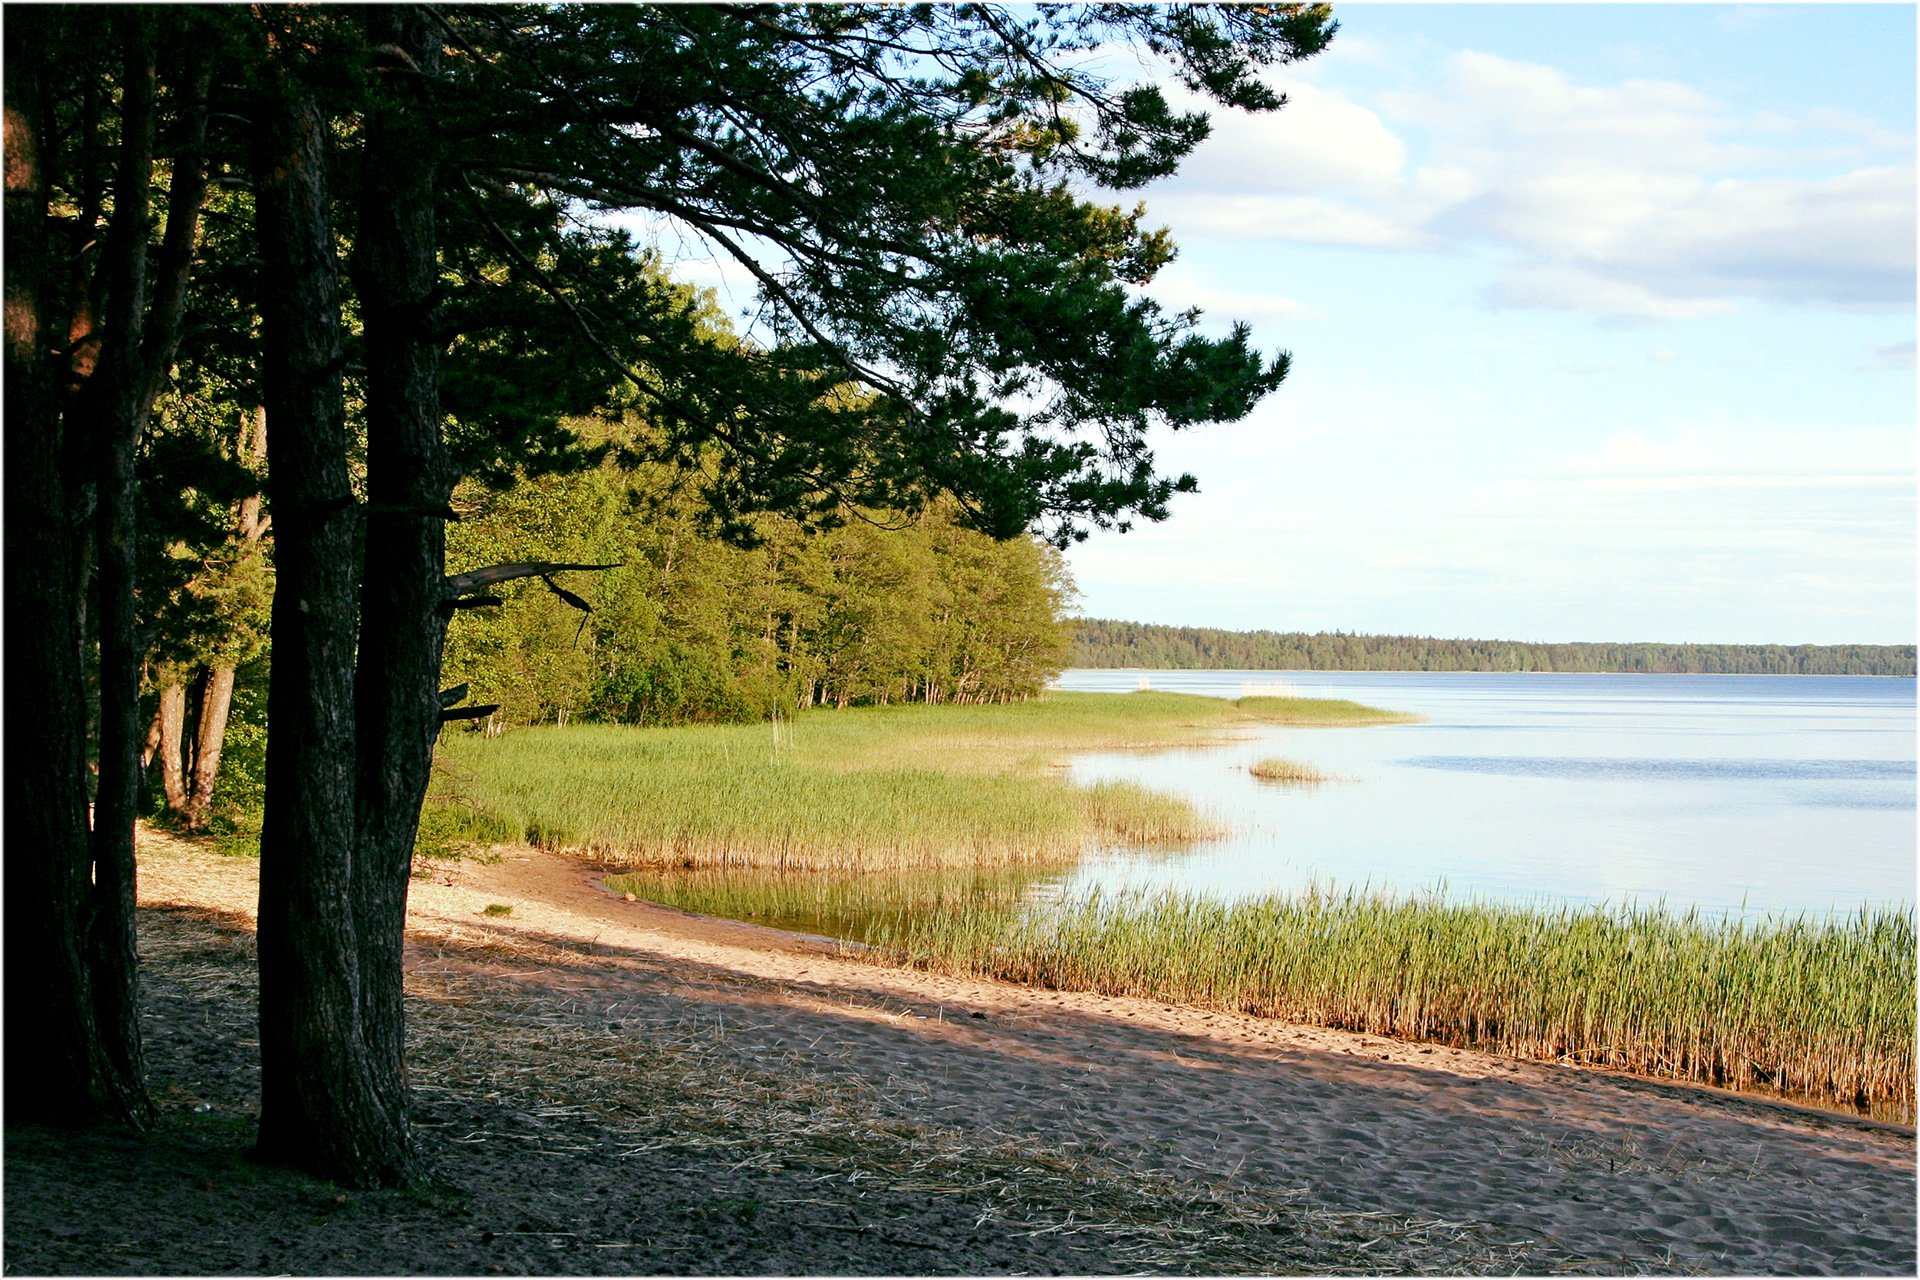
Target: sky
(1602,327)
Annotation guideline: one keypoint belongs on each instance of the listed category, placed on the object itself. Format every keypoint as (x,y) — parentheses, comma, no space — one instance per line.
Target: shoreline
(1420,671)
(1540,1168)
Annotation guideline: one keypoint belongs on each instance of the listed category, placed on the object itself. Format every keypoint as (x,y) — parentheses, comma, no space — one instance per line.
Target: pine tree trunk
(49,1058)
(403,613)
(324,1106)
(113,401)
(173,727)
(216,701)
(151,747)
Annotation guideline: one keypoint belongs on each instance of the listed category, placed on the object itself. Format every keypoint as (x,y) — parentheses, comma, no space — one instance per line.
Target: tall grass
(1317,711)
(853,789)
(1820,1008)
(1274,769)
(853,906)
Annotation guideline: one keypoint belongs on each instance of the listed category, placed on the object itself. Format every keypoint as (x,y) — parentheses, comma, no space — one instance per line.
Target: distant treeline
(1102,642)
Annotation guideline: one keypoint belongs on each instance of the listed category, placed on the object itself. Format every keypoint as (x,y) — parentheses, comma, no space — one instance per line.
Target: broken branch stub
(460,584)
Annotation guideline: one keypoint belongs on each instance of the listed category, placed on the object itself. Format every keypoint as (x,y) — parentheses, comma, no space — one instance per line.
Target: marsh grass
(1274,769)
(894,787)
(1821,1008)
(855,907)
(1317,711)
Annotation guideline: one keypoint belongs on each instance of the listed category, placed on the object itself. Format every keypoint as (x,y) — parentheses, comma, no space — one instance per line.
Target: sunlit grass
(861,788)
(1318,711)
(1816,1007)
(1291,771)
(855,907)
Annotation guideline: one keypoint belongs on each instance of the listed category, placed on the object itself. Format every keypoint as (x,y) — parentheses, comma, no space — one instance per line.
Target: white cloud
(1644,199)
(1554,287)
(1175,291)
(1858,126)
(1739,457)
(1320,141)
(1897,357)
(1310,219)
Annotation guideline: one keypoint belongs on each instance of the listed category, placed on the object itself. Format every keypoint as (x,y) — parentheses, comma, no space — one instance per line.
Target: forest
(1104,642)
(691,628)
(336,333)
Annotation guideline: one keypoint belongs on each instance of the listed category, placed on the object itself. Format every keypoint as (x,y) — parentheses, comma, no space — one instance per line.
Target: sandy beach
(1523,1166)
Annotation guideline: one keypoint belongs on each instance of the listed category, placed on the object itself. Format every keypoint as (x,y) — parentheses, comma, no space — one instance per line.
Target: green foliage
(943,309)
(243,759)
(207,579)
(1102,642)
(691,628)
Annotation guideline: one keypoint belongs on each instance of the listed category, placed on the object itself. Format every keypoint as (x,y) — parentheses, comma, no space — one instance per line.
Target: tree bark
(324,1106)
(216,702)
(402,622)
(112,401)
(50,1037)
(151,746)
(173,728)
(186,192)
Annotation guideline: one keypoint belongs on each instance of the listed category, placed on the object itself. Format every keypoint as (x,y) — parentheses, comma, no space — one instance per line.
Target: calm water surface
(1776,793)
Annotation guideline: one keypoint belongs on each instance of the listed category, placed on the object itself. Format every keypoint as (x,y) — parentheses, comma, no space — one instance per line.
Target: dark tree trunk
(325,1107)
(50,1036)
(186,192)
(112,402)
(410,480)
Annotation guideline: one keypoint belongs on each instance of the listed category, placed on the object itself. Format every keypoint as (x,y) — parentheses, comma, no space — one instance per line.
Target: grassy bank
(894,787)
(857,907)
(1820,1008)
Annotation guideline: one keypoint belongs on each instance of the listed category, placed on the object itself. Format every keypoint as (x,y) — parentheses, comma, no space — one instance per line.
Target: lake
(1768,793)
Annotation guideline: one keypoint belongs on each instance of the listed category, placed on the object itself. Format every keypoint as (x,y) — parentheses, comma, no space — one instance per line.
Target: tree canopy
(419,240)
(946,307)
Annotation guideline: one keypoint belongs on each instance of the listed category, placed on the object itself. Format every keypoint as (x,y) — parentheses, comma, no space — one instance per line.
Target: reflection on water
(1655,770)
(1776,794)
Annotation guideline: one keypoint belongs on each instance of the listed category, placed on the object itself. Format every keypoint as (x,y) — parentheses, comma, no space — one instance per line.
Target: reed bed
(1819,1008)
(1317,711)
(842,790)
(1294,772)
(853,907)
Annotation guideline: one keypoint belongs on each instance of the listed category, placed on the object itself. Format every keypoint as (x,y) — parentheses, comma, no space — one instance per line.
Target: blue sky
(1602,321)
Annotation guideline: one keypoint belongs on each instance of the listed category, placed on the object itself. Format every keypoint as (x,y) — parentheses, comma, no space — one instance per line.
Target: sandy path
(1627,1173)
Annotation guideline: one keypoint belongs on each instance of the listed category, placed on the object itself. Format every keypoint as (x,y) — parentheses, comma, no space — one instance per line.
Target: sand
(1582,1170)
